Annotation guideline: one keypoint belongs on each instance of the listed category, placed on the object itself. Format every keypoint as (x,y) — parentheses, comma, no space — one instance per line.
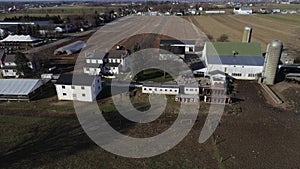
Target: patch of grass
(154,75)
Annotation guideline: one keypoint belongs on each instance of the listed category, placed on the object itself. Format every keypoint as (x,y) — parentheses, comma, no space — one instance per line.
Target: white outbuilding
(78,87)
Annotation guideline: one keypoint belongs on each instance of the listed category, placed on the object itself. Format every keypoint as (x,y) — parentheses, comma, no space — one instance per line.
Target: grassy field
(265,27)
(69,9)
(61,11)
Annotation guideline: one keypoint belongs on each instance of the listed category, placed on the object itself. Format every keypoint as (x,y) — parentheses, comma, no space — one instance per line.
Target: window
(145,88)
(14,70)
(251,75)
(171,90)
(83,95)
(82,87)
(175,90)
(74,95)
(87,69)
(191,90)
(99,87)
(166,90)
(161,90)
(64,94)
(63,87)
(73,87)
(236,74)
(6,71)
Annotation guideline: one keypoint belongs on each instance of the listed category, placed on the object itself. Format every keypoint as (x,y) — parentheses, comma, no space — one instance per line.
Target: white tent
(19,38)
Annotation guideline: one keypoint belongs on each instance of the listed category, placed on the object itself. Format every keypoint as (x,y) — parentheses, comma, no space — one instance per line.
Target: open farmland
(69,9)
(265,27)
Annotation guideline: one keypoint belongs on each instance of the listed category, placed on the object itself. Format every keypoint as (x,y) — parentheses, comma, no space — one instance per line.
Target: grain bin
(247,35)
(272,58)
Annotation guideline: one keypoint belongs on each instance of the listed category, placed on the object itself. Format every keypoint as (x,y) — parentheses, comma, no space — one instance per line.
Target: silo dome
(273,55)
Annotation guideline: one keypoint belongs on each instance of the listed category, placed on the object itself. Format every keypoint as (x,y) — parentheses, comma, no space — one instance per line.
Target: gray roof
(236,60)
(9,58)
(117,54)
(82,80)
(96,55)
(93,65)
(173,42)
(163,85)
(19,86)
(71,48)
(112,64)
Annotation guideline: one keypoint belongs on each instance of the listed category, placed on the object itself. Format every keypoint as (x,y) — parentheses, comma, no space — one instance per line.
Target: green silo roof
(229,48)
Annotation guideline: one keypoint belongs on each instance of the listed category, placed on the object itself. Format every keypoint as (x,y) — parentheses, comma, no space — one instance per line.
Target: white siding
(9,72)
(92,71)
(79,93)
(160,90)
(95,61)
(191,90)
(233,70)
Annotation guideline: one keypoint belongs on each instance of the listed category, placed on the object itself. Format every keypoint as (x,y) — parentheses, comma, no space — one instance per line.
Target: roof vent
(235,53)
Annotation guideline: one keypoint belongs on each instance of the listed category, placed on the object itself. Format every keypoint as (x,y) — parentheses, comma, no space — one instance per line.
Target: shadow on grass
(52,140)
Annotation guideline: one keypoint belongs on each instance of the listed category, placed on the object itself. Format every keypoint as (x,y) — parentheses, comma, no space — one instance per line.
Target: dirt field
(265,27)
(261,136)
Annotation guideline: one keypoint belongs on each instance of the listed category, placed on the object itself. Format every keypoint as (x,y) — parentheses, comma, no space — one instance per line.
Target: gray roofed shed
(19,89)
(71,48)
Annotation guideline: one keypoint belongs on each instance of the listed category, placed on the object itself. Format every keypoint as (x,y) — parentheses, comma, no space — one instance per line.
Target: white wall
(79,93)
(9,72)
(92,71)
(96,61)
(160,90)
(244,71)
(191,90)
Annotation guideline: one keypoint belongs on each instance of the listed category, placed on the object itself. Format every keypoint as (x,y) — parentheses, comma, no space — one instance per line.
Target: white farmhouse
(78,87)
(236,59)
(9,67)
(242,11)
(117,61)
(94,64)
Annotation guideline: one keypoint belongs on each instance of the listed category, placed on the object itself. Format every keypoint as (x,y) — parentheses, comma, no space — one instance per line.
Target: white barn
(80,87)
(236,59)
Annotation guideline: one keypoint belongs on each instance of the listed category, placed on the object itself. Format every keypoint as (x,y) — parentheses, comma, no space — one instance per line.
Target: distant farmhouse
(116,61)
(9,66)
(242,11)
(94,63)
(79,88)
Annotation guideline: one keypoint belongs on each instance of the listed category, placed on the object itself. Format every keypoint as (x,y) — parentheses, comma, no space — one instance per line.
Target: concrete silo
(247,35)
(272,58)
